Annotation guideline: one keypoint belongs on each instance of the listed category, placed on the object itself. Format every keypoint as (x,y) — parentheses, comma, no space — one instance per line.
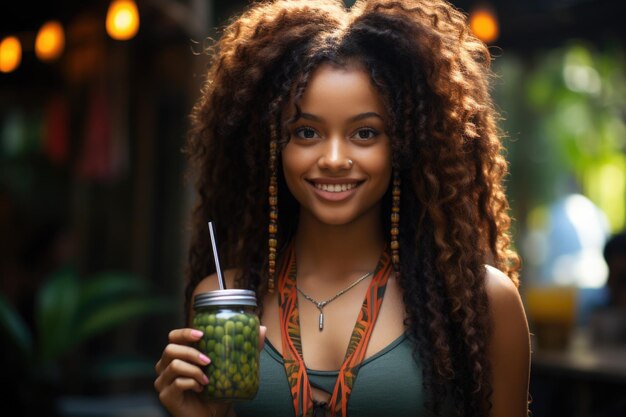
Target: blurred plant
(69,313)
(567,106)
(582,94)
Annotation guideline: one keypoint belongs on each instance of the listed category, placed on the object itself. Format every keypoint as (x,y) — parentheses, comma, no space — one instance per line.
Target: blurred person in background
(615,257)
(366,139)
(607,324)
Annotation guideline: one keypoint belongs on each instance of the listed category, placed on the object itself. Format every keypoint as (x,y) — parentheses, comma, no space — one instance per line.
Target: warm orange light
(50,41)
(122,19)
(484,24)
(10,54)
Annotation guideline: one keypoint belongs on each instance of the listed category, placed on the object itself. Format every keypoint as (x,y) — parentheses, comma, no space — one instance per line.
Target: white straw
(220,278)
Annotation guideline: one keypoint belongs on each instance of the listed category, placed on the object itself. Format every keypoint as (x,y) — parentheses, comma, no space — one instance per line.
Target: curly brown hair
(434,76)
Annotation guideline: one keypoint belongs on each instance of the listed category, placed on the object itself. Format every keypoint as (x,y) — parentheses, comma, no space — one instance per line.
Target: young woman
(350,161)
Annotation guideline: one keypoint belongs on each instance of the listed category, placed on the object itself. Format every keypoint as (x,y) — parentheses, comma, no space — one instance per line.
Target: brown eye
(364,134)
(306,133)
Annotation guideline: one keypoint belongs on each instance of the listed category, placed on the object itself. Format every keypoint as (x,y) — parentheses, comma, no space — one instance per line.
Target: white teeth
(335,188)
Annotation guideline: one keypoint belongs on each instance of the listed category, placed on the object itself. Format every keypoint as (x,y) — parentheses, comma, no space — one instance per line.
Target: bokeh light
(122,22)
(484,24)
(50,41)
(10,54)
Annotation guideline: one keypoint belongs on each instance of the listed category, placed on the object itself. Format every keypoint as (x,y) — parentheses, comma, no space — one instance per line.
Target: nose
(334,156)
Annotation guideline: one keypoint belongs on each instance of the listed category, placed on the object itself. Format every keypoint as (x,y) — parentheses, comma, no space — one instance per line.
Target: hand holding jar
(215,362)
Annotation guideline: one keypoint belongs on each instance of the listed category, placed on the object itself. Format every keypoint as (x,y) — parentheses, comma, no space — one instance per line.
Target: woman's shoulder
(509,346)
(510,325)
(211,283)
(504,296)
(499,285)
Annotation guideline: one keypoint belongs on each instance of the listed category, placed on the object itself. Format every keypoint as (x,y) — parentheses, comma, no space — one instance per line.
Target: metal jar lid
(225,297)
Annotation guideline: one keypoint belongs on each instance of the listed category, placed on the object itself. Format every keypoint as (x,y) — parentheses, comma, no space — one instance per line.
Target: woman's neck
(337,252)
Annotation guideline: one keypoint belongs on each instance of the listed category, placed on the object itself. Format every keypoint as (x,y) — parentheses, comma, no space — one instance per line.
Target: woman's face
(337,163)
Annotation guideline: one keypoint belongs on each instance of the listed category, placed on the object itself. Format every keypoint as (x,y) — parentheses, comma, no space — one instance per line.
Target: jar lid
(225,297)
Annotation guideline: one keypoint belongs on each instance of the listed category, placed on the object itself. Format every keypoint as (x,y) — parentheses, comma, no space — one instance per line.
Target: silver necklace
(321,304)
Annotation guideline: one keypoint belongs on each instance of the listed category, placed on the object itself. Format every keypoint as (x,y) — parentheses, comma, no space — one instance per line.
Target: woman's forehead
(334,89)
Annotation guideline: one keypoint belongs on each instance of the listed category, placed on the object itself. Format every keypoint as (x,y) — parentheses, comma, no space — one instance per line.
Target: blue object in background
(576,234)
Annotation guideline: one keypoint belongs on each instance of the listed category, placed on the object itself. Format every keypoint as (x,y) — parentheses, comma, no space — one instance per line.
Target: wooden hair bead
(395,221)
(272,241)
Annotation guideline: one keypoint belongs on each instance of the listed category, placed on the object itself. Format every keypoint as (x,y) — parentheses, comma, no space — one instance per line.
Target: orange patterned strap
(292,345)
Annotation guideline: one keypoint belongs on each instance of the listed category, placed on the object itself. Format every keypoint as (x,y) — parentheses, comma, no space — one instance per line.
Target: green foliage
(16,330)
(57,304)
(564,111)
(70,311)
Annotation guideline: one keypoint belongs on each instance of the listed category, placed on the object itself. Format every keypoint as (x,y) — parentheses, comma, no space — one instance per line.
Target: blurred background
(94,104)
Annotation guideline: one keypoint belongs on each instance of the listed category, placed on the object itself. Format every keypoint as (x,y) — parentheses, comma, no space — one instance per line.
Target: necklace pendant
(321,304)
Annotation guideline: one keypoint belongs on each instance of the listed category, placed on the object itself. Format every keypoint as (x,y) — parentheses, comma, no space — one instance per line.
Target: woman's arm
(509,347)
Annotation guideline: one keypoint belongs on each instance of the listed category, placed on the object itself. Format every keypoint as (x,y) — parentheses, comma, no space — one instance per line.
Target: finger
(262,331)
(186,384)
(184,336)
(180,369)
(182,352)
(177,388)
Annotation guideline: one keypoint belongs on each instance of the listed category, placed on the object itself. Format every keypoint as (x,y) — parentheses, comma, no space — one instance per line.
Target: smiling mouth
(335,188)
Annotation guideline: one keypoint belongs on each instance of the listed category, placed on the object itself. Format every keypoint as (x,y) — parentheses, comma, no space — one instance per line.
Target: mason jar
(230,327)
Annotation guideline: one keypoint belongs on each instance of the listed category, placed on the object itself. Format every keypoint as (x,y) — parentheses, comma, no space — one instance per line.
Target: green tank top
(389,384)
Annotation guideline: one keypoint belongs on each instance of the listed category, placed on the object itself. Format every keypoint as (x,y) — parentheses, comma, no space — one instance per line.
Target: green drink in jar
(230,325)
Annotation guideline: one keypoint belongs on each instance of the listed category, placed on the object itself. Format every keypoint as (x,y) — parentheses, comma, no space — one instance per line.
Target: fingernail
(205,380)
(196,333)
(204,358)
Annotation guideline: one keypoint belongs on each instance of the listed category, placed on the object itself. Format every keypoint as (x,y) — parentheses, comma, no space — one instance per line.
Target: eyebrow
(360,116)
